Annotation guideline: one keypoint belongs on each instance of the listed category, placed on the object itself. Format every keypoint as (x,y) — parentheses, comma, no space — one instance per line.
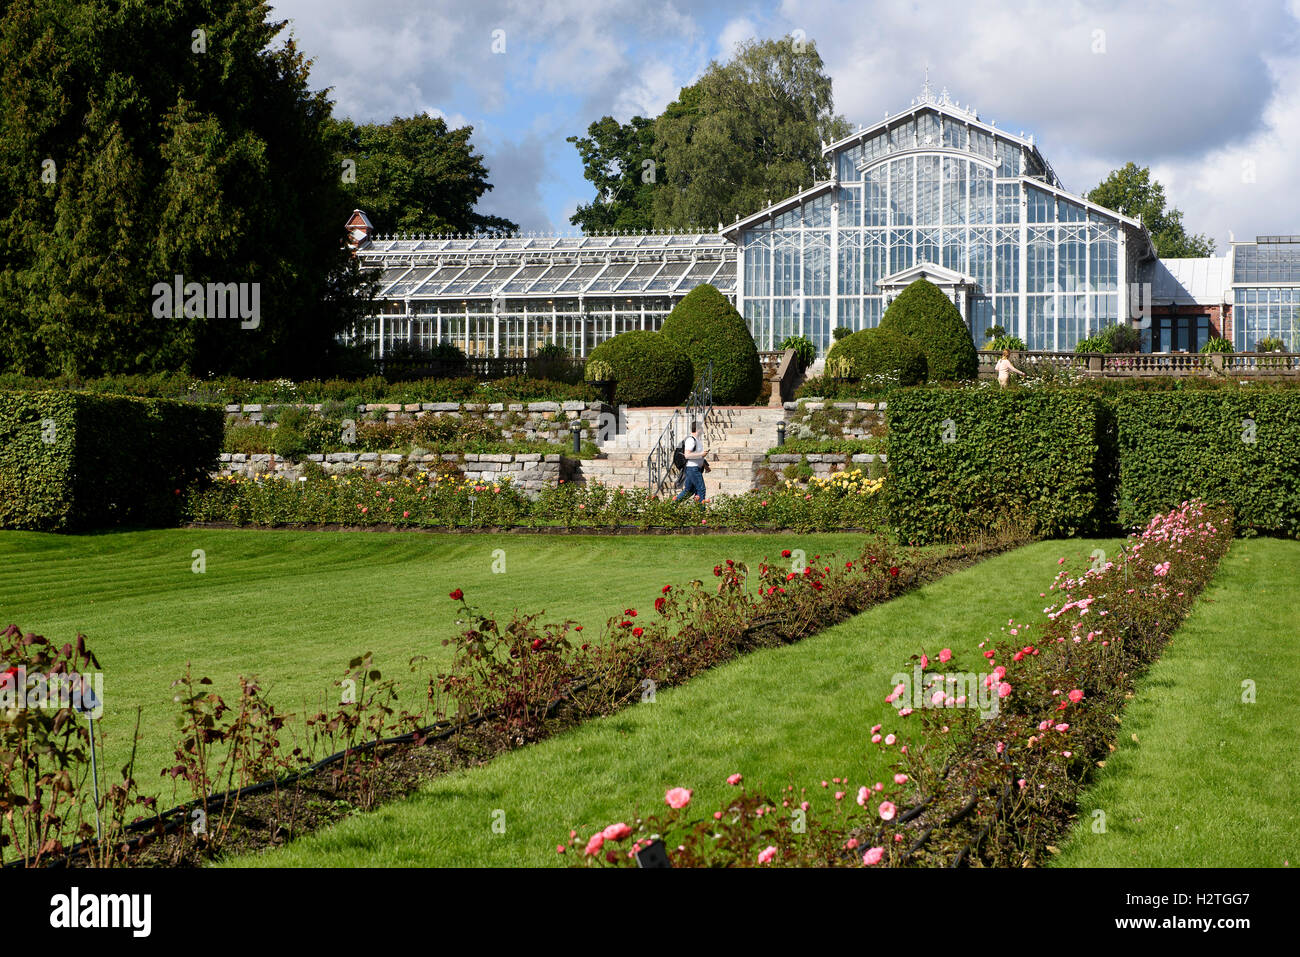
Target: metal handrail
(699,404)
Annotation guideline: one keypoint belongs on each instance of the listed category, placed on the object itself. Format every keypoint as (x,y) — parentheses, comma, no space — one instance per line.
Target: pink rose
(864,795)
(595,844)
(678,798)
(766,854)
(1004,689)
(616,832)
(1076,696)
(945,656)
(734,779)
(887,811)
(873,856)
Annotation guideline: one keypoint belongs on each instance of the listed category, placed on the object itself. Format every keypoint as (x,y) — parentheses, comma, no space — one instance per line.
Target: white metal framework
(509,296)
(932,189)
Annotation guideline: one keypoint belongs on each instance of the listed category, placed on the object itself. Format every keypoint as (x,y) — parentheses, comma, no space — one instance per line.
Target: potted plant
(600,376)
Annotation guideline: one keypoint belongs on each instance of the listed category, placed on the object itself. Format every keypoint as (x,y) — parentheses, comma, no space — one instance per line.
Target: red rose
(537,643)
(457,595)
(667,589)
(817,585)
(632,612)
(577,628)
(785,553)
(717,571)
(893,571)
(659,605)
(637,632)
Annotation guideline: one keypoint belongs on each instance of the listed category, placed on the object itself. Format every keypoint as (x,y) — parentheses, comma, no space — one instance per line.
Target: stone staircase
(735,436)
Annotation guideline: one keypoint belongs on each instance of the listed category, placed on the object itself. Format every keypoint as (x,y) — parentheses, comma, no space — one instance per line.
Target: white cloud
(1193,88)
(736,31)
(1164,84)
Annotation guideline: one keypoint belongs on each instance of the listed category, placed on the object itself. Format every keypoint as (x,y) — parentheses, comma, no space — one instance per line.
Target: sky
(1205,93)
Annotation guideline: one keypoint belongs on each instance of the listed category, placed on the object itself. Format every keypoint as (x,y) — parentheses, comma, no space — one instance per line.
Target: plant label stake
(87,703)
(653,854)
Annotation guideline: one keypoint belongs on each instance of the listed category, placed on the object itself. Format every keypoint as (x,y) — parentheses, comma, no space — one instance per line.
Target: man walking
(694,451)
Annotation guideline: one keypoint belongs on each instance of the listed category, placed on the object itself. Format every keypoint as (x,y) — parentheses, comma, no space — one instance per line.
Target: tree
(877,352)
(923,313)
(414,174)
(1133,192)
(619,159)
(143,141)
(745,134)
(709,329)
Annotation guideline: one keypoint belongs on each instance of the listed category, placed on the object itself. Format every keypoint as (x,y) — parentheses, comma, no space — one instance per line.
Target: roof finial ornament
(925,90)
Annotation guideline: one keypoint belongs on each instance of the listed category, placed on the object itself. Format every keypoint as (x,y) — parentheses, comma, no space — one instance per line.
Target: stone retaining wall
(823,419)
(545,421)
(530,472)
(825,463)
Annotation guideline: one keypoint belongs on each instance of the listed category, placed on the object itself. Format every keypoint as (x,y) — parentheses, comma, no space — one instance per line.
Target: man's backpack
(679,456)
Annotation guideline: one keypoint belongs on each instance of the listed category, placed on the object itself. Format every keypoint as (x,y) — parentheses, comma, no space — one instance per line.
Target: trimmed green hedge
(72,460)
(1033,457)
(881,352)
(924,313)
(648,369)
(708,327)
(1181,445)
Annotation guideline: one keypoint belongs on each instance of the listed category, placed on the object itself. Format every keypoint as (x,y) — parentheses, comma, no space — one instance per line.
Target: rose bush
(964,787)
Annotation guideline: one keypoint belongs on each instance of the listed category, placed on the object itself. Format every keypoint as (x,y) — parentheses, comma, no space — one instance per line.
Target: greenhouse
(1266,291)
(932,192)
(510,296)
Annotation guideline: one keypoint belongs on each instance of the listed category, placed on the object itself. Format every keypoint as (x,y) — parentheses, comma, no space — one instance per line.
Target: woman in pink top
(1005,368)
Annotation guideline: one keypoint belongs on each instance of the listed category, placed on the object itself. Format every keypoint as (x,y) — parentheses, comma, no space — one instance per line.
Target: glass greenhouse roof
(1266,262)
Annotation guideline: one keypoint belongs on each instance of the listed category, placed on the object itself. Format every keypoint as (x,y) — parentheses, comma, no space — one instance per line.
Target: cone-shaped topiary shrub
(873,352)
(924,313)
(647,368)
(707,326)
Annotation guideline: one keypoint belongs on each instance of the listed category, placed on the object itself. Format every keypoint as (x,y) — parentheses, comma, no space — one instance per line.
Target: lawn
(1210,780)
(294,607)
(792,715)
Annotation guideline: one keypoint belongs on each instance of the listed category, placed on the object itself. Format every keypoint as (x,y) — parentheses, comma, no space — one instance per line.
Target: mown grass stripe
(790,715)
(1210,780)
